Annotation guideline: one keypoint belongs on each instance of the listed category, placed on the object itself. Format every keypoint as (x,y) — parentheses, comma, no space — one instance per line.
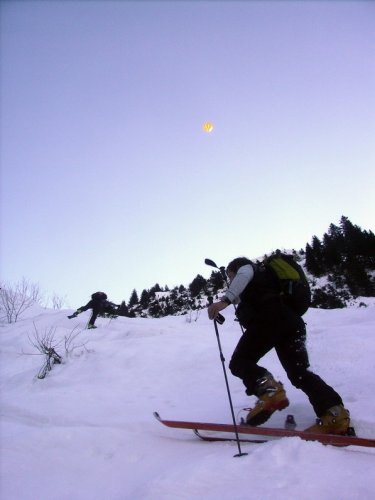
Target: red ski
(264,432)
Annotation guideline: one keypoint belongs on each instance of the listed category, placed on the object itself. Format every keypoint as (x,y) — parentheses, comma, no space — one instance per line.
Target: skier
(99,305)
(269,323)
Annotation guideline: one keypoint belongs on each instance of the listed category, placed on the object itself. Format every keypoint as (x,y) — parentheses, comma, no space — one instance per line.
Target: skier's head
(99,296)
(234,266)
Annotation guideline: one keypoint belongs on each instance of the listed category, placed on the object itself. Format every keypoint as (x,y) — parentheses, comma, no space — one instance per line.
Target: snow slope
(86,431)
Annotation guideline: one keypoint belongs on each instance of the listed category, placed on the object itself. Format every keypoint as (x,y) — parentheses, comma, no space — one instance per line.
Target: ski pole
(239,454)
(211,263)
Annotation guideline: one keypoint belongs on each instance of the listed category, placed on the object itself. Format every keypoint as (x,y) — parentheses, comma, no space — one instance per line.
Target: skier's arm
(242,278)
(81,309)
(84,308)
(232,296)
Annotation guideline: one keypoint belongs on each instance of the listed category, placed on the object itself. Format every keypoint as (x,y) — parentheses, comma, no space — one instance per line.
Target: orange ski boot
(272,397)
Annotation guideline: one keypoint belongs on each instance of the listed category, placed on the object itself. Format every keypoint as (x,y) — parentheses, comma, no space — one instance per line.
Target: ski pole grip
(220,319)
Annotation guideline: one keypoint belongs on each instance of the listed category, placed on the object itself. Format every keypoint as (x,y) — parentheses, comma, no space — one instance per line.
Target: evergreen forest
(340,267)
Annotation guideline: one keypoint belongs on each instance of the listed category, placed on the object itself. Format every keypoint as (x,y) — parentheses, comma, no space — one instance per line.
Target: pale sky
(108,181)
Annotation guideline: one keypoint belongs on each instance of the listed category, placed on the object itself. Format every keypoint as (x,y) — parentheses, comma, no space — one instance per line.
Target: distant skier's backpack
(290,281)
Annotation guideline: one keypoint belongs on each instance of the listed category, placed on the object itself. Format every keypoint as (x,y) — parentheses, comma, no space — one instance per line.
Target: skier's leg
(243,364)
(94,315)
(294,358)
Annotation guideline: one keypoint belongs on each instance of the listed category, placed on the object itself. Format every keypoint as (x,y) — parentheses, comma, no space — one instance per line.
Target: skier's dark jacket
(260,297)
(99,304)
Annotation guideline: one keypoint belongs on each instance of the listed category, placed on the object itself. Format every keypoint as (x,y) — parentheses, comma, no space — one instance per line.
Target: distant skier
(271,323)
(99,305)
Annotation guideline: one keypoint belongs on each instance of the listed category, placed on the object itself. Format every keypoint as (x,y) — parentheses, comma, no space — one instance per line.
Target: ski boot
(272,397)
(336,420)
(91,327)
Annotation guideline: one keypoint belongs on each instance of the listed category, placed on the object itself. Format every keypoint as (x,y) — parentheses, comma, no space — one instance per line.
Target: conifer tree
(133,301)
(314,257)
(357,279)
(154,289)
(197,285)
(331,251)
(217,281)
(145,299)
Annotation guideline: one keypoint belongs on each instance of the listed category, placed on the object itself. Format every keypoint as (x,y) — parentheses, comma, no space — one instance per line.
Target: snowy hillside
(87,431)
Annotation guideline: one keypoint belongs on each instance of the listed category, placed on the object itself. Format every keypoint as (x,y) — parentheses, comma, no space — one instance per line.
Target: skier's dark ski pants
(280,328)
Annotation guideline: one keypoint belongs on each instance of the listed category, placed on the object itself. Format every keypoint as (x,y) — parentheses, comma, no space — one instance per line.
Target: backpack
(99,296)
(290,280)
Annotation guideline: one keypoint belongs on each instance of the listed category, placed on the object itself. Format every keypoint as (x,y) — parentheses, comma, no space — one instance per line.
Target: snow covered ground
(86,431)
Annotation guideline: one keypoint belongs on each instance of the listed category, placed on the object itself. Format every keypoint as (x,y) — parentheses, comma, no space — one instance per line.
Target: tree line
(340,267)
(162,301)
(345,256)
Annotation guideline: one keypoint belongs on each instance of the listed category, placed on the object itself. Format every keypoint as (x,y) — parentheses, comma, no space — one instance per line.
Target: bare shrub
(192,315)
(46,345)
(57,301)
(16,299)
(69,340)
